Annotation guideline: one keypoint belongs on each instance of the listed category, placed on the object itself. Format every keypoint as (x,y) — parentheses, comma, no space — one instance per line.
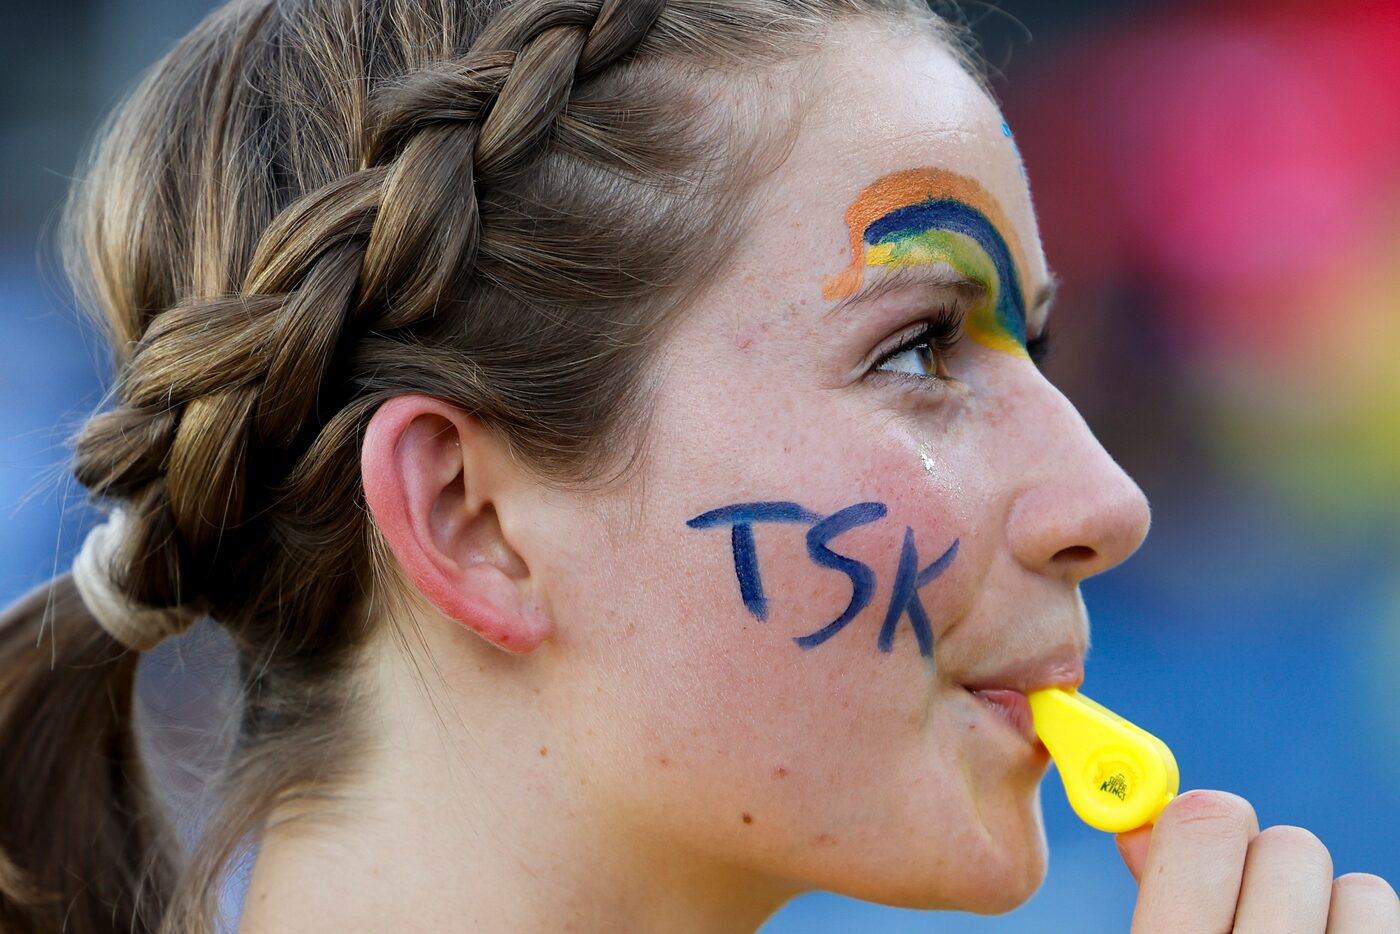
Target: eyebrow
(940,276)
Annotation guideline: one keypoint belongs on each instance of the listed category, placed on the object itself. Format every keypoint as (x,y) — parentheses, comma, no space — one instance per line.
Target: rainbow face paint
(921,217)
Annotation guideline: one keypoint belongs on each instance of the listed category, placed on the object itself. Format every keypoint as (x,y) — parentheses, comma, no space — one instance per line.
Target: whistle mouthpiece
(1117,775)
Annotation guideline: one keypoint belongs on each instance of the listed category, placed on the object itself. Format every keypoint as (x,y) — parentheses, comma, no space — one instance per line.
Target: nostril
(1076,553)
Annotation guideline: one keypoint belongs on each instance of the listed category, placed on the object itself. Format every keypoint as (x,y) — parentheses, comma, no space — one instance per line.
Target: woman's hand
(1206,867)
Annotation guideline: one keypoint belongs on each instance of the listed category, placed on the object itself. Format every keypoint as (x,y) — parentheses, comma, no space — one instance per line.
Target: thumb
(1132,846)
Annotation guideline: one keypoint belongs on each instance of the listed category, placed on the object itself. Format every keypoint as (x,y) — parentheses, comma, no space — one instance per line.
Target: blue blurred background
(1218,185)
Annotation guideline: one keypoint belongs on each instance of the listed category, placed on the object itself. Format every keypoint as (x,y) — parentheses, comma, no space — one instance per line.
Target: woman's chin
(994,891)
(1013,869)
(1000,882)
(999,859)
(1017,882)
(996,872)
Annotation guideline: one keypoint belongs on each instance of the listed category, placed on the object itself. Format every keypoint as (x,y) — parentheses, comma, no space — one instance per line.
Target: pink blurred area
(1229,153)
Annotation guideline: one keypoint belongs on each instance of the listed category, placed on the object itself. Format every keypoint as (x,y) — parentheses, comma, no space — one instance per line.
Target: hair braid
(378,249)
(251,365)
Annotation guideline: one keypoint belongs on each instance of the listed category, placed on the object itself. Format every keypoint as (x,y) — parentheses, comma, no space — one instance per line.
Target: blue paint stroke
(905,599)
(742,516)
(1006,131)
(862,577)
(957,217)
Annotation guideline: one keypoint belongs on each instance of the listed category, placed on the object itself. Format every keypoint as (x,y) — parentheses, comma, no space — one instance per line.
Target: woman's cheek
(755,612)
(743,727)
(788,575)
(807,616)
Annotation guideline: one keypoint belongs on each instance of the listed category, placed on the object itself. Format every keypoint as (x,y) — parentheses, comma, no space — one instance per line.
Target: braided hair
(307,208)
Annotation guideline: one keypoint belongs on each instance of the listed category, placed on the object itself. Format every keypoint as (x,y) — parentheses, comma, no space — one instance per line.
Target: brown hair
(303,210)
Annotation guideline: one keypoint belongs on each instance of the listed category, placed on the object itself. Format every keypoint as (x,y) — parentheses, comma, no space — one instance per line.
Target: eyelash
(944,331)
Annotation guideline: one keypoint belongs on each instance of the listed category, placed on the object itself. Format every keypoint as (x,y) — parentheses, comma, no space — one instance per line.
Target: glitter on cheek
(926,455)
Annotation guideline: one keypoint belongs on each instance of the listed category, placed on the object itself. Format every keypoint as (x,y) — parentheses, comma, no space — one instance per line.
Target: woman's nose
(1079,513)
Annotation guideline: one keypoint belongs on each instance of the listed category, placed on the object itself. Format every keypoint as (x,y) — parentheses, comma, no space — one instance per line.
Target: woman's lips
(1012,707)
(1004,692)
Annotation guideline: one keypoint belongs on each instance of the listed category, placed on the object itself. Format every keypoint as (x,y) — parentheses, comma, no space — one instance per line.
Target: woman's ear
(434,479)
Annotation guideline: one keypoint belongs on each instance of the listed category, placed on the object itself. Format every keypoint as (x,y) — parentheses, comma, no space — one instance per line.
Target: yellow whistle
(1117,775)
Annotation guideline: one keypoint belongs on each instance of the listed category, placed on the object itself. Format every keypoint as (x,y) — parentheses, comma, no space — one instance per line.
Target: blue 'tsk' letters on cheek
(908,578)
(906,593)
(742,516)
(862,578)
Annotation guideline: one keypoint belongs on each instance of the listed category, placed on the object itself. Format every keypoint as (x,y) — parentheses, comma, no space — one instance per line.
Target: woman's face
(766,641)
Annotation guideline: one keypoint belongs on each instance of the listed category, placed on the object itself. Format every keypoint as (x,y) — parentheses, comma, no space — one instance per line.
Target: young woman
(610,432)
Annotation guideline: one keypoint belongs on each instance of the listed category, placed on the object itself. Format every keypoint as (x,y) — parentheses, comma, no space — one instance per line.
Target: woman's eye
(924,354)
(924,359)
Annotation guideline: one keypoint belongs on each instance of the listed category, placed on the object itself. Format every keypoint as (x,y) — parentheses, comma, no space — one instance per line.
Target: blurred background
(1218,185)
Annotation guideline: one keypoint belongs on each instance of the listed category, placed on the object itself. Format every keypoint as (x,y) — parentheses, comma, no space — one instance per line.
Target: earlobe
(432,479)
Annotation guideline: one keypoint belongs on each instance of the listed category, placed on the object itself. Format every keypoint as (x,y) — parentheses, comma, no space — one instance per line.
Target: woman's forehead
(886,115)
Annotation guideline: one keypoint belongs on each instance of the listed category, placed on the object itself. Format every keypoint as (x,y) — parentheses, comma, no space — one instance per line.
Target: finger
(1287,883)
(1194,864)
(1132,846)
(1362,904)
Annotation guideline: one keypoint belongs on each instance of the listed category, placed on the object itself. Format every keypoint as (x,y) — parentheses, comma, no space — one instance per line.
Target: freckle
(780,772)
(748,818)
(664,761)
(544,750)
(824,839)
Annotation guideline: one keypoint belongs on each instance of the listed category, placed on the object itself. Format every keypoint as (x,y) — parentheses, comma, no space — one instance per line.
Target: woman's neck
(462,821)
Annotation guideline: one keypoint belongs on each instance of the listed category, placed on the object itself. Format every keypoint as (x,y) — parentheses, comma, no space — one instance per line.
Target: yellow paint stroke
(901,189)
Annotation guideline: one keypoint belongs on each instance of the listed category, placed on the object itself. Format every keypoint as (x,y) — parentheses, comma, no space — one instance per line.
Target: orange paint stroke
(901,189)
